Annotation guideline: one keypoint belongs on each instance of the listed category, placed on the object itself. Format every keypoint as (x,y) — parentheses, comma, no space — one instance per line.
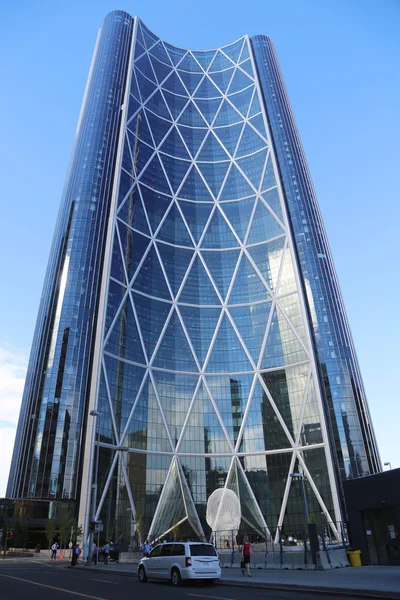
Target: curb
(90,569)
(348,592)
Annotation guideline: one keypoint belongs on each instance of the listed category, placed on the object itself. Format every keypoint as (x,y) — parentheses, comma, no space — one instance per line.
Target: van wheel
(176,577)
(142,575)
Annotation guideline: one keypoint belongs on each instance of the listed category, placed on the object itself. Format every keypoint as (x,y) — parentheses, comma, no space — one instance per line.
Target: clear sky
(340,60)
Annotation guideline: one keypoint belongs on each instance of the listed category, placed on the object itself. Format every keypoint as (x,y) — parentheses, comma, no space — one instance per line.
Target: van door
(178,556)
(151,563)
(164,562)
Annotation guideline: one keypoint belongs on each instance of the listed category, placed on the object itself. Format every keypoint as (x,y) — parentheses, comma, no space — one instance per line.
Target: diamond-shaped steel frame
(245,69)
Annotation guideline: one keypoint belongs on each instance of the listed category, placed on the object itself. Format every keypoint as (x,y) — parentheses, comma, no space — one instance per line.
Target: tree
(65,525)
(176,531)
(3,520)
(50,530)
(76,530)
(4,527)
(20,533)
(139,533)
(69,530)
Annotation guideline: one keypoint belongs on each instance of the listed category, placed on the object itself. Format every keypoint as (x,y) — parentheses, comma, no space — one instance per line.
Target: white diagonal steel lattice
(246,172)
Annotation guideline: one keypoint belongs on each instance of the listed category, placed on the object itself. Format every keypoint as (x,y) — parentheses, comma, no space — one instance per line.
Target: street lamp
(300,476)
(388,464)
(95,414)
(132,527)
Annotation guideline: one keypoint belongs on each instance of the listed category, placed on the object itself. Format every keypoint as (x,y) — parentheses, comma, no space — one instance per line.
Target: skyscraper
(191,337)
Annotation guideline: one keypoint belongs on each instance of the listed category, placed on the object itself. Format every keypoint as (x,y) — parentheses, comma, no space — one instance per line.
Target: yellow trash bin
(355,558)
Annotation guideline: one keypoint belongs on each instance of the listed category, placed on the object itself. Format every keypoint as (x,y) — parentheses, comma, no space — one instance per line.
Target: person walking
(106,551)
(54,549)
(95,554)
(75,553)
(246,550)
(146,548)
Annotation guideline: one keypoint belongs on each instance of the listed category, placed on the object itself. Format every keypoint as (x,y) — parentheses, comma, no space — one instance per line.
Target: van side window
(155,552)
(178,550)
(166,549)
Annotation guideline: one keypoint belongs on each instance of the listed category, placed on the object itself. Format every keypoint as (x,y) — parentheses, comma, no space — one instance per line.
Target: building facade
(192,349)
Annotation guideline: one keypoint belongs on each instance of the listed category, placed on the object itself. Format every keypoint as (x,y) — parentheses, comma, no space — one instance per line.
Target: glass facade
(176,372)
(207,377)
(350,427)
(47,452)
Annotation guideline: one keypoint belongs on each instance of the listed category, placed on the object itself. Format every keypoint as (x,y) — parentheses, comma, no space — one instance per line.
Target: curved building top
(191,301)
(206,351)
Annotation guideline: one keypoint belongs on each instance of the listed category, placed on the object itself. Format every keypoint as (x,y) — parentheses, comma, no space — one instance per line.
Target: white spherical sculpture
(223,511)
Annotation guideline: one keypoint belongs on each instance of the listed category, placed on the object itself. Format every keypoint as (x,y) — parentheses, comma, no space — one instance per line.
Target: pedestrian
(246,550)
(95,554)
(54,549)
(146,548)
(106,551)
(74,558)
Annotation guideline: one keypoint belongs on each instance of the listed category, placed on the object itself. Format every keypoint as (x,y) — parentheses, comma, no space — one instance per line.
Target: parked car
(180,561)
(114,553)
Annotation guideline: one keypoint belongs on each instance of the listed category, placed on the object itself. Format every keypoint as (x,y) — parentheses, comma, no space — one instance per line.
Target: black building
(373,505)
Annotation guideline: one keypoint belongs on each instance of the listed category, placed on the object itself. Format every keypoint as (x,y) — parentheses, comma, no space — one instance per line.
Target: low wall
(292,560)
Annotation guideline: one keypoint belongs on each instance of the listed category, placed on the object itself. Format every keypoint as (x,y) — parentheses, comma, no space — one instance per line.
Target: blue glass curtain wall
(206,360)
(347,412)
(47,453)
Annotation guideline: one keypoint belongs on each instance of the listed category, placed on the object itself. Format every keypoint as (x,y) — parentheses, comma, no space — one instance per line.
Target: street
(22,579)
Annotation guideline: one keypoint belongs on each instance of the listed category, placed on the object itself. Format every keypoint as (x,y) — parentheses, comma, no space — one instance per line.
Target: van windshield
(202,550)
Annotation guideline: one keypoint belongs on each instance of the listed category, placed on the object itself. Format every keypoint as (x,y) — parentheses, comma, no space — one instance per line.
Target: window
(166,549)
(155,552)
(202,550)
(178,550)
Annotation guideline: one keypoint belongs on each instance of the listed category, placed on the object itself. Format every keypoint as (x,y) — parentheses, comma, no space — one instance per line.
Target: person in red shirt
(246,556)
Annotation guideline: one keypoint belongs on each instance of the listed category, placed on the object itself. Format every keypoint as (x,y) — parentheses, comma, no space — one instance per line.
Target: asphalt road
(23,580)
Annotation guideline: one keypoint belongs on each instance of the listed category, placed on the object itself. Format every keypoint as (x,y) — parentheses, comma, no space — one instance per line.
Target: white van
(180,561)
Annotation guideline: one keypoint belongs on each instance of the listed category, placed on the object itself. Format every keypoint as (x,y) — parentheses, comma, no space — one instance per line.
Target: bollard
(342,534)
(266,548)
(305,546)
(233,548)
(280,547)
(324,546)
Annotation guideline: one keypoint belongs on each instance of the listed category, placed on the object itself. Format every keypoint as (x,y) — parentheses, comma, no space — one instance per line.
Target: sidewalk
(363,582)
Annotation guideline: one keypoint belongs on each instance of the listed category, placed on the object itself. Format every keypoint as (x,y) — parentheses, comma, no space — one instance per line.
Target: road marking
(213,597)
(52,587)
(106,581)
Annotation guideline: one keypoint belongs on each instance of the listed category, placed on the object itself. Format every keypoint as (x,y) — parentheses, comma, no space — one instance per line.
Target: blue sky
(340,60)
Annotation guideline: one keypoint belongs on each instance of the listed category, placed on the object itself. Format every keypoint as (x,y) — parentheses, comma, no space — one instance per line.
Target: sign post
(98,526)
(4,544)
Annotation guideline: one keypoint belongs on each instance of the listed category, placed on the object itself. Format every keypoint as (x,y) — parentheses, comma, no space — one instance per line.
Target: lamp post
(95,414)
(301,477)
(131,528)
(388,464)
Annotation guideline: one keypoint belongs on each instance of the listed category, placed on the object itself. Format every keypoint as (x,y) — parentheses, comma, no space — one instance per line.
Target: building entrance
(382,536)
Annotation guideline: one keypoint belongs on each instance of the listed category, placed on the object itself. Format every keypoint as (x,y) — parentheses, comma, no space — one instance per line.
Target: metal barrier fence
(230,542)
(293,548)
